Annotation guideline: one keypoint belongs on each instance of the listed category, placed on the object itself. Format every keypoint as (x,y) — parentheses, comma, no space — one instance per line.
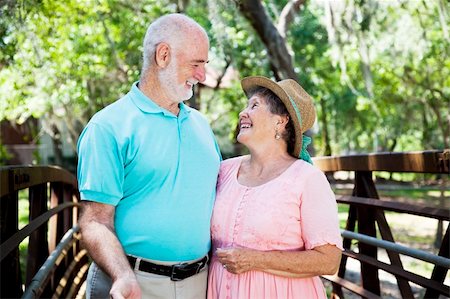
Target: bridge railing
(56,265)
(367,224)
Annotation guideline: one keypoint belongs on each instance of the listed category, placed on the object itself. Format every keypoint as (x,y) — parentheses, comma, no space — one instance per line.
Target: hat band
(304,155)
(296,110)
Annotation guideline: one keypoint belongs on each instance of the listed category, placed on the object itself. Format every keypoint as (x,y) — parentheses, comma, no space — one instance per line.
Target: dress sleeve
(226,169)
(318,213)
(100,166)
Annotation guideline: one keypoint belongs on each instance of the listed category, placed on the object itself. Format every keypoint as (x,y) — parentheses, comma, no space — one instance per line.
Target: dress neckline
(236,171)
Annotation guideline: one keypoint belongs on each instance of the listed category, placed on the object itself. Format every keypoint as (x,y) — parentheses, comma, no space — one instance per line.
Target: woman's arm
(321,260)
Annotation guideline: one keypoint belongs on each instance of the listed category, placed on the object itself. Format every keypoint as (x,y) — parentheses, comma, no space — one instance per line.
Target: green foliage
(379,74)
(233,45)
(232,100)
(402,99)
(71,59)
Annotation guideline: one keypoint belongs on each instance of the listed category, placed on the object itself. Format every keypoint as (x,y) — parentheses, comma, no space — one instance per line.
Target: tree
(70,60)
(279,56)
(378,34)
(62,62)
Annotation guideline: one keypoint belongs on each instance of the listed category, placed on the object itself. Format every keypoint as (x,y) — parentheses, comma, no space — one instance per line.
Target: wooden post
(10,275)
(56,223)
(364,187)
(347,243)
(439,273)
(394,257)
(38,244)
(68,214)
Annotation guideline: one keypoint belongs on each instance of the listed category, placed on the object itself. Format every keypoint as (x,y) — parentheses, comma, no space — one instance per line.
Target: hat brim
(251,82)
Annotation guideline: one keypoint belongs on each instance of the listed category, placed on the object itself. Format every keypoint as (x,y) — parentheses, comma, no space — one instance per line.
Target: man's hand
(126,288)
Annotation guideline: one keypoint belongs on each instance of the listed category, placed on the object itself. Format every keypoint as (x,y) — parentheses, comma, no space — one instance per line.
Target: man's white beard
(168,79)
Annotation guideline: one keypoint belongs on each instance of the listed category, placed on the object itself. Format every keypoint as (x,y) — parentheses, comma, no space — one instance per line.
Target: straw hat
(298,102)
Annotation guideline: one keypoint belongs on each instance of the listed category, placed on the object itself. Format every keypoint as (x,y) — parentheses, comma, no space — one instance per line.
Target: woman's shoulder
(230,163)
(228,167)
(305,171)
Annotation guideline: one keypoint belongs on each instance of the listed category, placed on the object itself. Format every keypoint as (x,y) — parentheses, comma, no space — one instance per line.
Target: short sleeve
(318,213)
(226,169)
(100,166)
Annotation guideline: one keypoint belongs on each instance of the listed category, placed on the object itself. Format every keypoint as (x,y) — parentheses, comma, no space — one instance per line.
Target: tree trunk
(279,56)
(182,5)
(287,15)
(443,124)
(326,136)
(57,146)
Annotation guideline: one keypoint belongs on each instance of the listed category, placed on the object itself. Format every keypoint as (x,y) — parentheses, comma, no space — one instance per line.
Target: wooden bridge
(367,212)
(55,265)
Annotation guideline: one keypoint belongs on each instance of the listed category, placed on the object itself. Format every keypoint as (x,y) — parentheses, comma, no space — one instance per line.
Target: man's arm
(99,238)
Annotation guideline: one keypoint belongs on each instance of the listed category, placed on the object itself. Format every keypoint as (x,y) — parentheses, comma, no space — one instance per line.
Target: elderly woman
(274,224)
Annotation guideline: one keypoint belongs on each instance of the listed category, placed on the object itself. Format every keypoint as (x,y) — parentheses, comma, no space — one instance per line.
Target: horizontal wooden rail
(435,161)
(15,178)
(17,238)
(392,269)
(352,287)
(395,206)
(399,272)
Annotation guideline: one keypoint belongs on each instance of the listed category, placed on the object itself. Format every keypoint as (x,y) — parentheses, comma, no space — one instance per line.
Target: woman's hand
(237,260)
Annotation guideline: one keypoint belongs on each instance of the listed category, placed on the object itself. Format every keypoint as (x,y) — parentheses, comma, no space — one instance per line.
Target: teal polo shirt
(158,170)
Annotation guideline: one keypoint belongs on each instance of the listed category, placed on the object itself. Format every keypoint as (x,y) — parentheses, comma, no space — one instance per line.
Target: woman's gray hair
(172,29)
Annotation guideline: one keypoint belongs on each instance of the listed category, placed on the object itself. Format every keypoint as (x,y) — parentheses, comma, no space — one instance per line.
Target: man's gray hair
(172,29)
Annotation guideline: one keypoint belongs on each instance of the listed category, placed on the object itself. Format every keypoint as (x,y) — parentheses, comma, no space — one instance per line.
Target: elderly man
(147,173)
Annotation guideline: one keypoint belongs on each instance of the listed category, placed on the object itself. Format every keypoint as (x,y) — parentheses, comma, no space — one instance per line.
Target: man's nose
(200,73)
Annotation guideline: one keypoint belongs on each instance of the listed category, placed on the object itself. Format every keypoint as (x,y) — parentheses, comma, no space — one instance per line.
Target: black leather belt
(176,272)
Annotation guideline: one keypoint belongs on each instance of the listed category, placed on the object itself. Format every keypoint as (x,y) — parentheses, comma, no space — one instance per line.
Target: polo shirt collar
(146,105)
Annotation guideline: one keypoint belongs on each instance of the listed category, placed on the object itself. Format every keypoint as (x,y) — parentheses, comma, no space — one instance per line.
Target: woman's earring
(277,135)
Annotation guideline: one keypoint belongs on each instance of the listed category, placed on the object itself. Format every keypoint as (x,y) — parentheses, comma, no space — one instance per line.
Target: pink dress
(295,211)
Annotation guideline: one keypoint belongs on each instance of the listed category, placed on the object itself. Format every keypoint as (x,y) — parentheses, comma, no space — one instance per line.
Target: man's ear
(162,55)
